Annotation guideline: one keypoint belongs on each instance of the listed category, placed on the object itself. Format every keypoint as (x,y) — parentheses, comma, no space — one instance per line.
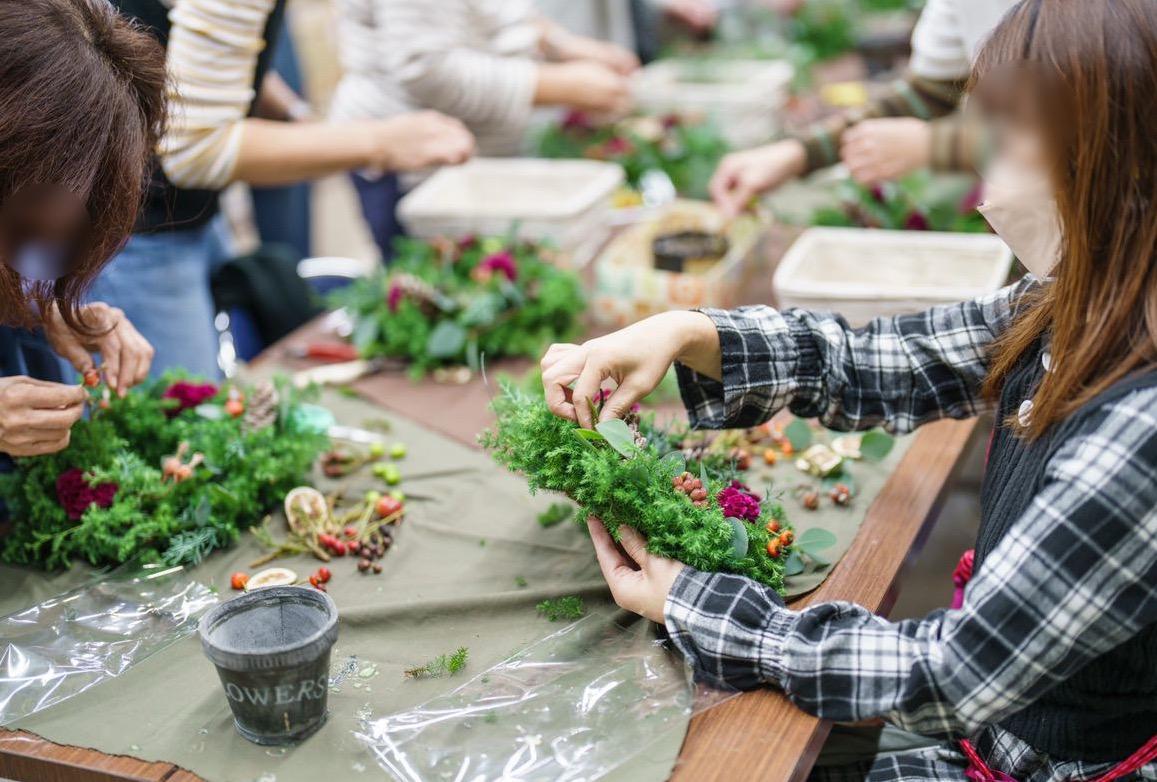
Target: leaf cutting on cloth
(876,445)
(799,434)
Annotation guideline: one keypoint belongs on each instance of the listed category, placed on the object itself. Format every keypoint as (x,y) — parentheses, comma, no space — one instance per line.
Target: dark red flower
(76,495)
(877,193)
(394,297)
(577,120)
(188,395)
(500,262)
(467,242)
(738,502)
(671,121)
(916,222)
(619,145)
(972,199)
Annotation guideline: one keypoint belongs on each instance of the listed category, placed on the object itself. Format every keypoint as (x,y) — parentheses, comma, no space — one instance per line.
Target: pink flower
(916,222)
(738,502)
(499,262)
(394,297)
(75,495)
(188,395)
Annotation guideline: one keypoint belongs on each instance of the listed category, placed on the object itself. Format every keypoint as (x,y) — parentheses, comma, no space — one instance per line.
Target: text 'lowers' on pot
(271,648)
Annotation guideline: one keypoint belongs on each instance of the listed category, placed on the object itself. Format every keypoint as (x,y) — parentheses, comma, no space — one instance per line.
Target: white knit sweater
(950,33)
(471,59)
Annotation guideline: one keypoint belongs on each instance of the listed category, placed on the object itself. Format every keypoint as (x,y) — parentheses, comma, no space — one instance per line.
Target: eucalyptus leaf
(619,435)
(589,434)
(739,538)
(366,333)
(876,445)
(446,340)
(482,310)
(674,463)
(816,538)
(794,564)
(799,434)
(210,412)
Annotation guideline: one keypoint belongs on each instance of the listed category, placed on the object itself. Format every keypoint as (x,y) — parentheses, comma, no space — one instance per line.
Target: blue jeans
(161,281)
(379,199)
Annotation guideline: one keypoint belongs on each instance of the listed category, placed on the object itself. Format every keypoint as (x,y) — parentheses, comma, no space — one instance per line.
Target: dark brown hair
(81,107)
(1093,66)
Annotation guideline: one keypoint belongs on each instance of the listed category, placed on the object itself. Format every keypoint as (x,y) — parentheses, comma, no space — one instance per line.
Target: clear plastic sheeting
(69,643)
(574,706)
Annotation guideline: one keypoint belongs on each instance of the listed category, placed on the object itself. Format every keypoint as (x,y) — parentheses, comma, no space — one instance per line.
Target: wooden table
(723,742)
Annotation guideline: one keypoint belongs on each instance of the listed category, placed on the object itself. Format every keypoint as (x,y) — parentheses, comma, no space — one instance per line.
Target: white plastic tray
(564,201)
(865,273)
(742,97)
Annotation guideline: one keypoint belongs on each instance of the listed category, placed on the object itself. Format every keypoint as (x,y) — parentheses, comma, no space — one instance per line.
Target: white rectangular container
(865,273)
(742,97)
(567,202)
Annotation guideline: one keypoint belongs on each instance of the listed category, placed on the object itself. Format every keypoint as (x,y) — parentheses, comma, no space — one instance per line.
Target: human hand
(569,47)
(125,355)
(635,358)
(878,150)
(785,7)
(699,16)
(417,140)
(584,85)
(744,175)
(36,417)
(639,580)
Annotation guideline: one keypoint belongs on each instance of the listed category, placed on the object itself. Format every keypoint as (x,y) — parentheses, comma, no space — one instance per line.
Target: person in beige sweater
(488,63)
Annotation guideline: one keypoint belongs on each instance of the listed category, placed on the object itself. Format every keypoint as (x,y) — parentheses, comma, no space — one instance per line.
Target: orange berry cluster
(780,540)
(692,487)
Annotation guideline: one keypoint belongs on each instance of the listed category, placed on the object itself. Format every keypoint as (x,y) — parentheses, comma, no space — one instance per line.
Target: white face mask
(1020,206)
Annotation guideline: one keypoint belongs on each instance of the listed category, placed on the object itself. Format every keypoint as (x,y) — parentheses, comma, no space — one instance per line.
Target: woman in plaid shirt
(1048,671)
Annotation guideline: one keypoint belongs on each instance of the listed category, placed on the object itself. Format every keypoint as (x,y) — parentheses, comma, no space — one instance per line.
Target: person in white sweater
(488,63)
(900,132)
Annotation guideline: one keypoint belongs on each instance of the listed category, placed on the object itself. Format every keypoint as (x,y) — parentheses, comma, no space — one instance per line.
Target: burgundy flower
(75,495)
(972,199)
(467,242)
(738,502)
(619,145)
(671,121)
(394,297)
(188,395)
(577,120)
(877,193)
(499,262)
(916,222)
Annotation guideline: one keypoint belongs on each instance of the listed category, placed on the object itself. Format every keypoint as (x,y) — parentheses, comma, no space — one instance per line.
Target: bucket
(271,648)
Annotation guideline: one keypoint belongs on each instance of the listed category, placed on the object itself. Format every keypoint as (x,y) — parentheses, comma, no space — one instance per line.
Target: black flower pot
(271,648)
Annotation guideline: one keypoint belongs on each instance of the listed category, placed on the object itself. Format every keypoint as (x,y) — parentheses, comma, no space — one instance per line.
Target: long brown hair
(81,108)
(1094,63)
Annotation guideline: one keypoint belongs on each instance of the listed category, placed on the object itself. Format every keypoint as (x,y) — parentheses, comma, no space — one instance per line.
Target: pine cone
(262,408)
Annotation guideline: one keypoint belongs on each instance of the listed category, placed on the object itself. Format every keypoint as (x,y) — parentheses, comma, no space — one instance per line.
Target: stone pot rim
(233,658)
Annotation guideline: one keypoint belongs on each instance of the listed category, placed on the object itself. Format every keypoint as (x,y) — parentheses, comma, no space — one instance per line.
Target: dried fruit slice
(274,576)
(305,510)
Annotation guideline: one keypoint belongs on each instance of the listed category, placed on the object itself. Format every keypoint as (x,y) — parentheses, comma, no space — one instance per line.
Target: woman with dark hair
(81,105)
(1047,670)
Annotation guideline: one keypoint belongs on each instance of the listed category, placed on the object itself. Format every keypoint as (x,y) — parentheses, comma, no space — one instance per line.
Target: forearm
(279,153)
(914,96)
(958,144)
(896,372)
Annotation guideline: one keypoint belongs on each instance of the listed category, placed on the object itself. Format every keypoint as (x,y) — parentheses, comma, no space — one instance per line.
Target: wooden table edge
(760,734)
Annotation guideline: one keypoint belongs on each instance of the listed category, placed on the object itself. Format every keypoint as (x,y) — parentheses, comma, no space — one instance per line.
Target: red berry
(351,531)
(238,580)
(773,548)
(338,548)
(91,378)
(326,539)
(314,580)
(388,506)
(234,407)
(324,574)
(354,546)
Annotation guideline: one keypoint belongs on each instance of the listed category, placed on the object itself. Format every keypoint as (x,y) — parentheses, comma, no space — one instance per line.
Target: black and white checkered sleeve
(1075,577)
(896,372)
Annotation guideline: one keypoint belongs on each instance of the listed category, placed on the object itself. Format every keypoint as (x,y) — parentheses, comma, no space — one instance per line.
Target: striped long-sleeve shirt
(955,673)
(946,40)
(471,59)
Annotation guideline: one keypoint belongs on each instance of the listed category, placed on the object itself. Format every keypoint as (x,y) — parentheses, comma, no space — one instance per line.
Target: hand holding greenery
(445,302)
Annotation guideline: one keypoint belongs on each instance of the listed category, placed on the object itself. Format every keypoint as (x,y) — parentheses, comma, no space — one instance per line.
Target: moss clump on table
(443,302)
(687,150)
(109,498)
(615,475)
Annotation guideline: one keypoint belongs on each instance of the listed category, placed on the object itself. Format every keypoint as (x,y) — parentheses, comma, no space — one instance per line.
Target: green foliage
(442,665)
(637,491)
(557,513)
(687,151)
(876,445)
(244,474)
(441,303)
(568,608)
(914,203)
(827,28)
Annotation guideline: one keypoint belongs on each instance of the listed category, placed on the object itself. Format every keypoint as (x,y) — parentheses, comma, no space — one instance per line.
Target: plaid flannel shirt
(1032,614)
